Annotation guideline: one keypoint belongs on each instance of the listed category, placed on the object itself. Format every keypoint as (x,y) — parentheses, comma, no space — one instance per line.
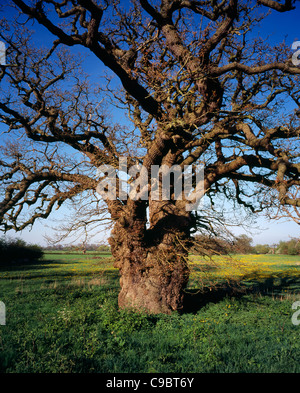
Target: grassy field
(62,316)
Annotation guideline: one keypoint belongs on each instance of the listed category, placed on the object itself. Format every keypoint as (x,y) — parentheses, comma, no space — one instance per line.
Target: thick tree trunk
(152,285)
(152,262)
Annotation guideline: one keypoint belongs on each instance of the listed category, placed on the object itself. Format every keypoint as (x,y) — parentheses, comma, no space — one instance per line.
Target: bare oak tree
(198,86)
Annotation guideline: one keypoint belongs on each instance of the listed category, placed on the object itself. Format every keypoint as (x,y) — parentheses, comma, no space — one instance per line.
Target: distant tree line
(210,245)
(291,247)
(81,247)
(18,251)
(242,244)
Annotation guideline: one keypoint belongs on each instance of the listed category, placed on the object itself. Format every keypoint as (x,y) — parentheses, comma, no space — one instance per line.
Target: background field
(62,316)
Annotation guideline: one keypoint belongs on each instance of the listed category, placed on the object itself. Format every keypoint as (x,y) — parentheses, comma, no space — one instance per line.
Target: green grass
(62,316)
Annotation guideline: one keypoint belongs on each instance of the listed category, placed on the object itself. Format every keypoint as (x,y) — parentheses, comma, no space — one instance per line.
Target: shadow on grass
(53,270)
(275,285)
(32,264)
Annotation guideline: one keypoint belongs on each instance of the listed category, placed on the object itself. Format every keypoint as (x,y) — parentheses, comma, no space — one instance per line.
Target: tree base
(155,290)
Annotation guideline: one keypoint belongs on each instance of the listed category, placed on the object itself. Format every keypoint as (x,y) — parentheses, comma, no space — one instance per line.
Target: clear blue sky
(278,27)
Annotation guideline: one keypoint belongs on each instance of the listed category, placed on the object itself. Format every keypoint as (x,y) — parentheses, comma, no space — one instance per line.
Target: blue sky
(278,27)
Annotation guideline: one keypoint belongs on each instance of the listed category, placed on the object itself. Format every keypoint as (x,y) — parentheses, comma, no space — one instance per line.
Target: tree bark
(152,262)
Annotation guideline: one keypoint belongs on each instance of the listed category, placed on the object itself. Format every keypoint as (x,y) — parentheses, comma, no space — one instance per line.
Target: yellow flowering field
(236,268)
(92,270)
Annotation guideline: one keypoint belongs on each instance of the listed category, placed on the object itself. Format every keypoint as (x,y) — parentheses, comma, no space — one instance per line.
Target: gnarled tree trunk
(152,262)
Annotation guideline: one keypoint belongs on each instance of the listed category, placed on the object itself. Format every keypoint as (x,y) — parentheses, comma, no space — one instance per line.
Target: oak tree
(198,84)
